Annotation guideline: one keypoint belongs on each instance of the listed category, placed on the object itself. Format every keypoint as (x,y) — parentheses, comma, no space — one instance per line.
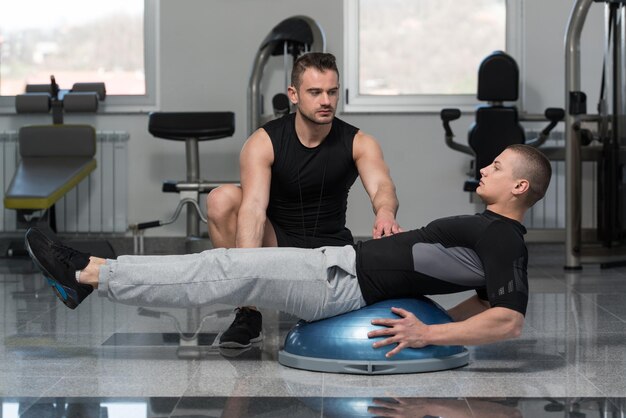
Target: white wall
(205,56)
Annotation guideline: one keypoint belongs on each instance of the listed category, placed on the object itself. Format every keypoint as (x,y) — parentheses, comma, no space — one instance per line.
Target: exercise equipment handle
(554,115)
(181,204)
(146,225)
(448,115)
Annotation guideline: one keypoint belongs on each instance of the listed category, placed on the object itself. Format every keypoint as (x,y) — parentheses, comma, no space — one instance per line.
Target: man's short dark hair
(535,168)
(321,61)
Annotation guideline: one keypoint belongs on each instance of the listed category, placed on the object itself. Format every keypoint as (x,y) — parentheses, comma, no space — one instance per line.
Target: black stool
(191,127)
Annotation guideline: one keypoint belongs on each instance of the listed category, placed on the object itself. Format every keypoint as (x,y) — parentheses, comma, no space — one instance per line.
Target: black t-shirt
(485,252)
(309,186)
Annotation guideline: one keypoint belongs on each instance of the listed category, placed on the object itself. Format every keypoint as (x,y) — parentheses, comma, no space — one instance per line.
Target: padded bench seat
(54,159)
(41,181)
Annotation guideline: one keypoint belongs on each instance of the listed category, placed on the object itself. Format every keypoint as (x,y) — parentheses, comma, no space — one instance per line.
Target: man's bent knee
(222,202)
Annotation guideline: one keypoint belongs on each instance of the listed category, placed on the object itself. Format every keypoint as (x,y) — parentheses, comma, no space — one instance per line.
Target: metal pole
(193,175)
(254,88)
(573,186)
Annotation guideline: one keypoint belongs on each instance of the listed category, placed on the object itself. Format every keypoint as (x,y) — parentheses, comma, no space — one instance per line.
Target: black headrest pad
(498,78)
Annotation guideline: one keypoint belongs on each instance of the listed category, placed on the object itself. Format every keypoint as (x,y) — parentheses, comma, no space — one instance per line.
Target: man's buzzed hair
(534,167)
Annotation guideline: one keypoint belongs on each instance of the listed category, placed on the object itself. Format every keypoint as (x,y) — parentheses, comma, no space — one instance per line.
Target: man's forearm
(385,200)
(493,325)
(250,228)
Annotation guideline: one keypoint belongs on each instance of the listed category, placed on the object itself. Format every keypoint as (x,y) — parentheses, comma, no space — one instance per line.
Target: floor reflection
(112,360)
(235,407)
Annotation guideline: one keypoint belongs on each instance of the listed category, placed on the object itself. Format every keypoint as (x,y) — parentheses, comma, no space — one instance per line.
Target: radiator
(98,204)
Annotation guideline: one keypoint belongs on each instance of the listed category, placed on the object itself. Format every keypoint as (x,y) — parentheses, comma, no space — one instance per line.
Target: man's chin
(326,120)
(323,121)
(325,116)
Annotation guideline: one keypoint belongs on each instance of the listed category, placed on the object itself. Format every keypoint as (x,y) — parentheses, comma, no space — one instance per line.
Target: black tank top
(309,186)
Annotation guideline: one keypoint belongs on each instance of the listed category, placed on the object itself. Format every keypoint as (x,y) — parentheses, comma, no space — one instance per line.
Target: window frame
(354,102)
(127,103)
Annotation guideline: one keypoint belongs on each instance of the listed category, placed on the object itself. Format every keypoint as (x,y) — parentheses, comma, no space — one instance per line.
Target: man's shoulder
(502,237)
(504,224)
(278,125)
(343,125)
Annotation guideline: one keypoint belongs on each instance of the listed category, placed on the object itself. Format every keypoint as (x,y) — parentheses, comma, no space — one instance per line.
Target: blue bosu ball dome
(340,344)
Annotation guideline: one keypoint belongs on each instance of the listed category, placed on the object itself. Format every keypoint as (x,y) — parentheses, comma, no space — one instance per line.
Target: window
(422,55)
(80,41)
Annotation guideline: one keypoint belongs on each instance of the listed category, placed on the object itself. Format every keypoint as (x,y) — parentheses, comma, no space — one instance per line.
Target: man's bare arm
(256,159)
(378,184)
(487,325)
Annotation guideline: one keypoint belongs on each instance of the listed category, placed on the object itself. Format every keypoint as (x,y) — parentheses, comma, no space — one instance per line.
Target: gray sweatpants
(309,283)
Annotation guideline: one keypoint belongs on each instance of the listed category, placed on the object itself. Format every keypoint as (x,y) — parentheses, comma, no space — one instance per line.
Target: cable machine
(597,137)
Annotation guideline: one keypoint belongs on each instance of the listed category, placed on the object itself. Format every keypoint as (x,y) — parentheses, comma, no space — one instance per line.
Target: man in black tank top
(296,173)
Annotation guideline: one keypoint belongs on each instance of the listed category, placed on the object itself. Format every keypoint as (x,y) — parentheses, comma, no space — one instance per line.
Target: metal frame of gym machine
(611,133)
(292,36)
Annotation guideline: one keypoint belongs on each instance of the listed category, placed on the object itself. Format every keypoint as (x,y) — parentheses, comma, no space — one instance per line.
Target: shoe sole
(234,344)
(59,290)
(233,352)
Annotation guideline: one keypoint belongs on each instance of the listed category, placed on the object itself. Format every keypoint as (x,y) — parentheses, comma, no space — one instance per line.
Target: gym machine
(291,37)
(497,124)
(54,158)
(597,137)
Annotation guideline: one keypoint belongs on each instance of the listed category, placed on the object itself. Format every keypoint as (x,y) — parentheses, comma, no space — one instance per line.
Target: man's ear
(293,95)
(521,187)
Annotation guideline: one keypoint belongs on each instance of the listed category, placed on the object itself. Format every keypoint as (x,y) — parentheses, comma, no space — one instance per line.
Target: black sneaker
(245,329)
(59,263)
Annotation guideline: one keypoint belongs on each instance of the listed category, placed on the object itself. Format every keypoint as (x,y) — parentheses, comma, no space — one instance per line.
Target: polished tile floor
(107,360)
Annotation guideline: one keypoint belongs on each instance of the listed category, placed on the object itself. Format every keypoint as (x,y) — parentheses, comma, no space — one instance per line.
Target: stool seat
(190,128)
(180,126)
